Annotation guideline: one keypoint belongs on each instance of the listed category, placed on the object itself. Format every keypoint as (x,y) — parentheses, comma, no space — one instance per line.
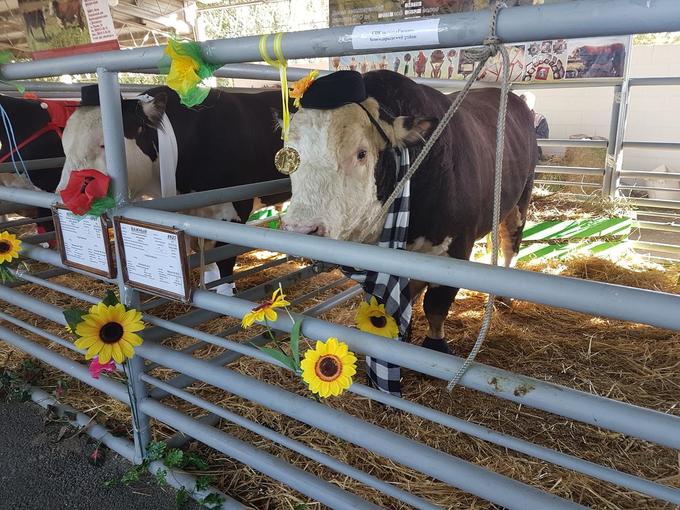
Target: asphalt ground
(41,471)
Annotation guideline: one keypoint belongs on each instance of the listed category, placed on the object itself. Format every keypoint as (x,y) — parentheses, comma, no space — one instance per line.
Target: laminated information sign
(153,258)
(83,242)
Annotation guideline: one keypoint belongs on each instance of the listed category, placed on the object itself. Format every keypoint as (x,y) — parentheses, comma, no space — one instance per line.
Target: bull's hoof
(436,344)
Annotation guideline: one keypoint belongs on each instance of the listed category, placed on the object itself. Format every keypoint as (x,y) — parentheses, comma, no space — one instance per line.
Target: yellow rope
(281,64)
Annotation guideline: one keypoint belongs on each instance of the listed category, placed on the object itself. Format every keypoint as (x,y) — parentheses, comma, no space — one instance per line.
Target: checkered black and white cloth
(390,290)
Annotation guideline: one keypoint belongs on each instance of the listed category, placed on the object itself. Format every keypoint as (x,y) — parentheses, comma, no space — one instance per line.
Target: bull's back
(452,192)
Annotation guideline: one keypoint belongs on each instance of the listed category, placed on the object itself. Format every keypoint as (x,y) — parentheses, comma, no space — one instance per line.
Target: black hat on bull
(339,89)
(89,95)
(335,90)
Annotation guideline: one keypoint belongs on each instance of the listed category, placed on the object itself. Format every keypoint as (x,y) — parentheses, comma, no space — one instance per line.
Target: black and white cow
(228,140)
(342,178)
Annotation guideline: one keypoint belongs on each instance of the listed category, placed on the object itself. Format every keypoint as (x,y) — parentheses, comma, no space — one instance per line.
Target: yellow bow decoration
(281,64)
(301,86)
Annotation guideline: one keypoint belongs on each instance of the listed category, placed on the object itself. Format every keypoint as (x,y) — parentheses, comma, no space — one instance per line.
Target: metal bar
(447,468)
(295,446)
(650,175)
(615,301)
(654,203)
(649,188)
(568,142)
(24,221)
(662,227)
(565,20)
(601,412)
(7,207)
(654,81)
(116,166)
(519,445)
(567,183)
(322,491)
(52,257)
(217,196)
(22,197)
(651,145)
(34,164)
(577,170)
(570,84)
(661,247)
(182,381)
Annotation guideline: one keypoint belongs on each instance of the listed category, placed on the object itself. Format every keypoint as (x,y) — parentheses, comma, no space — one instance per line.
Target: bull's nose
(316,229)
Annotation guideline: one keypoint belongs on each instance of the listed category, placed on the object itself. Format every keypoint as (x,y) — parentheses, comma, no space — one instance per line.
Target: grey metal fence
(564,20)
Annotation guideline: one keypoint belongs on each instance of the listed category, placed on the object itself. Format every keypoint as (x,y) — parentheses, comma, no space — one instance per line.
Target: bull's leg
(438,300)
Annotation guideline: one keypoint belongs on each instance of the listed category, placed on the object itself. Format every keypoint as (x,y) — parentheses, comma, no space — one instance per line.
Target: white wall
(653,115)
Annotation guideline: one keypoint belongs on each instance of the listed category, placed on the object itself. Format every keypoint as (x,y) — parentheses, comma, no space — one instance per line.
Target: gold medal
(287,160)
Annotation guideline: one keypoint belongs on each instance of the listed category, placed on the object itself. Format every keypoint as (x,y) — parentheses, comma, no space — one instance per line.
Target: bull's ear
(155,109)
(413,130)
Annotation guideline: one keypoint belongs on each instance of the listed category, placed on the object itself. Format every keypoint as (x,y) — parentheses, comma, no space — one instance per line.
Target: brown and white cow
(342,177)
(228,140)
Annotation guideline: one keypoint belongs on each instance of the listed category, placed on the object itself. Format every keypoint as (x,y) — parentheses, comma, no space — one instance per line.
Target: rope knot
(492,43)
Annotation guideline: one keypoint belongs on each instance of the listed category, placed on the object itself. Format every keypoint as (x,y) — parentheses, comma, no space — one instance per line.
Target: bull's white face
(334,187)
(83,142)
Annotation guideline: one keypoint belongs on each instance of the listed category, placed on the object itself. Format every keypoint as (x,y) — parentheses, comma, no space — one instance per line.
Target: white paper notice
(153,258)
(99,20)
(423,32)
(84,240)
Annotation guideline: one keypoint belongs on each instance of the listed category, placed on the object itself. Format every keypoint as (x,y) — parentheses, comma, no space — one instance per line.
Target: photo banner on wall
(550,60)
(56,28)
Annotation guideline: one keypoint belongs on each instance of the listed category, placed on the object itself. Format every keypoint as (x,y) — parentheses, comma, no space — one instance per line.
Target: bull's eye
(101,146)
(361,155)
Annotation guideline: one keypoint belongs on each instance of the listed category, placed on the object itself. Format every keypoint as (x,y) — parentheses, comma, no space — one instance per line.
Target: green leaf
(279,356)
(101,205)
(155,450)
(132,475)
(161,477)
(301,506)
(174,458)
(73,317)
(203,482)
(110,299)
(295,344)
(193,460)
(212,501)
(181,498)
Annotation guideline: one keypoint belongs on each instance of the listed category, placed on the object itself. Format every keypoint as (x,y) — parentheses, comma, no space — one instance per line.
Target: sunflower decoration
(328,369)
(265,310)
(109,331)
(301,86)
(10,247)
(372,318)
(187,71)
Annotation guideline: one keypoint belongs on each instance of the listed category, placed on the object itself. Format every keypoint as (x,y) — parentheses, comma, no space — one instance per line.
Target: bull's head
(83,141)
(342,165)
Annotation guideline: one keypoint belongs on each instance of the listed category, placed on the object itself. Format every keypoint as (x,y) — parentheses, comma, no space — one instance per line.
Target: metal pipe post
(116,166)
(610,160)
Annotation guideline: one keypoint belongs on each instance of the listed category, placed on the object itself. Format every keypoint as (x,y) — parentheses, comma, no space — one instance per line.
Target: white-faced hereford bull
(342,176)
(228,140)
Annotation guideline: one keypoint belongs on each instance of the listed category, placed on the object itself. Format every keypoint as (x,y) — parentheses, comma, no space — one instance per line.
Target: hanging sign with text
(153,258)
(83,242)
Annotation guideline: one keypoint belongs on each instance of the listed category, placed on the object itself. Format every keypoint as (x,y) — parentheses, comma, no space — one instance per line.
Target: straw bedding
(627,362)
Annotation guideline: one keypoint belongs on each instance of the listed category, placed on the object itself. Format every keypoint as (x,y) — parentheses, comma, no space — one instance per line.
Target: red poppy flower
(84,187)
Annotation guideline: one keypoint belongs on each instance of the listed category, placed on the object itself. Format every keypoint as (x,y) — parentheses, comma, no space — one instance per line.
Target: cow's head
(344,170)
(83,142)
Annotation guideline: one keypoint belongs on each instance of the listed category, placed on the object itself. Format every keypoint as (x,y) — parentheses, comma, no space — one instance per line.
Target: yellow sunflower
(372,318)
(301,86)
(329,368)
(182,76)
(265,310)
(108,331)
(9,247)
